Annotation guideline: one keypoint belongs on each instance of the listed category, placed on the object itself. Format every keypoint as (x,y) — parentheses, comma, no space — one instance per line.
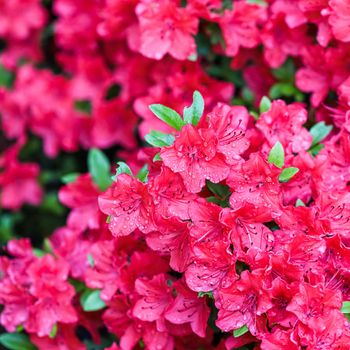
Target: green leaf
(254,114)
(113,92)
(38,252)
(19,328)
(257,2)
(6,77)
(108,219)
(193,114)
(157,157)
(247,95)
(222,203)
(68,178)
(16,341)
(91,260)
(168,116)
(300,203)
(319,132)
(240,331)
(203,294)
(123,168)
(99,168)
(220,190)
(78,285)
(276,155)
(193,57)
(90,300)
(54,330)
(83,106)
(282,89)
(345,309)
(287,174)
(265,104)
(315,150)
(143,174)
(159,139)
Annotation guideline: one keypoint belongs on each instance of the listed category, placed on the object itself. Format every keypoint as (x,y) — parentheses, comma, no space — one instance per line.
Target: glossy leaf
(319,132)
(287,174)
(193,114)
(168,116)
(99,168)
(90,300)
(16,341)
(276,155)
(240,331)
(159,139)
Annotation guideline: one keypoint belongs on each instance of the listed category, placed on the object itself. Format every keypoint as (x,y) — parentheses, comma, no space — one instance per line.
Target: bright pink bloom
(196,157)
(230,125)
(172,238)
(65,339)
(280,41)
(240,26)
(170,196)
(18,181)
(254,185)
(279,339)
(35,292)
(312,303)
(244,303)
(19,20)
(53,296)
(155,297)
(166,28)
(113,124)
(340,19)
(187,307)
(81,196)
(71,246)
(284,123)
(129,205)
(106,260)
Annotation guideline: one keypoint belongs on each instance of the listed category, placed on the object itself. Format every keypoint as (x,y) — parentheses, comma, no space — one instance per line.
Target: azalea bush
(174,175)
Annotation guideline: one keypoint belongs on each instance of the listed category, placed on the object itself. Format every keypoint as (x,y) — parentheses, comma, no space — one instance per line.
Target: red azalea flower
(212,266)
(18,181)
(230,124)
(106,261)
(129,205)
(172,238)
(279,339)
(113,124)
(65,339)
(283,123)
(195,156)
(313,303)
(81,196)
(19,20)
(166,28)
(281,295)
(254,185)
(243,303)
(70,245)
(240,26)
(53,296)
(155,297)
(170,196)
(340,19)
(280,41)
(246,231)
(141,265)
(187,307)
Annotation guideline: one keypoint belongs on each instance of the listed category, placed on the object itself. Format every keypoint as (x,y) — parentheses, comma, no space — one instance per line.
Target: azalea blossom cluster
(222,220)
